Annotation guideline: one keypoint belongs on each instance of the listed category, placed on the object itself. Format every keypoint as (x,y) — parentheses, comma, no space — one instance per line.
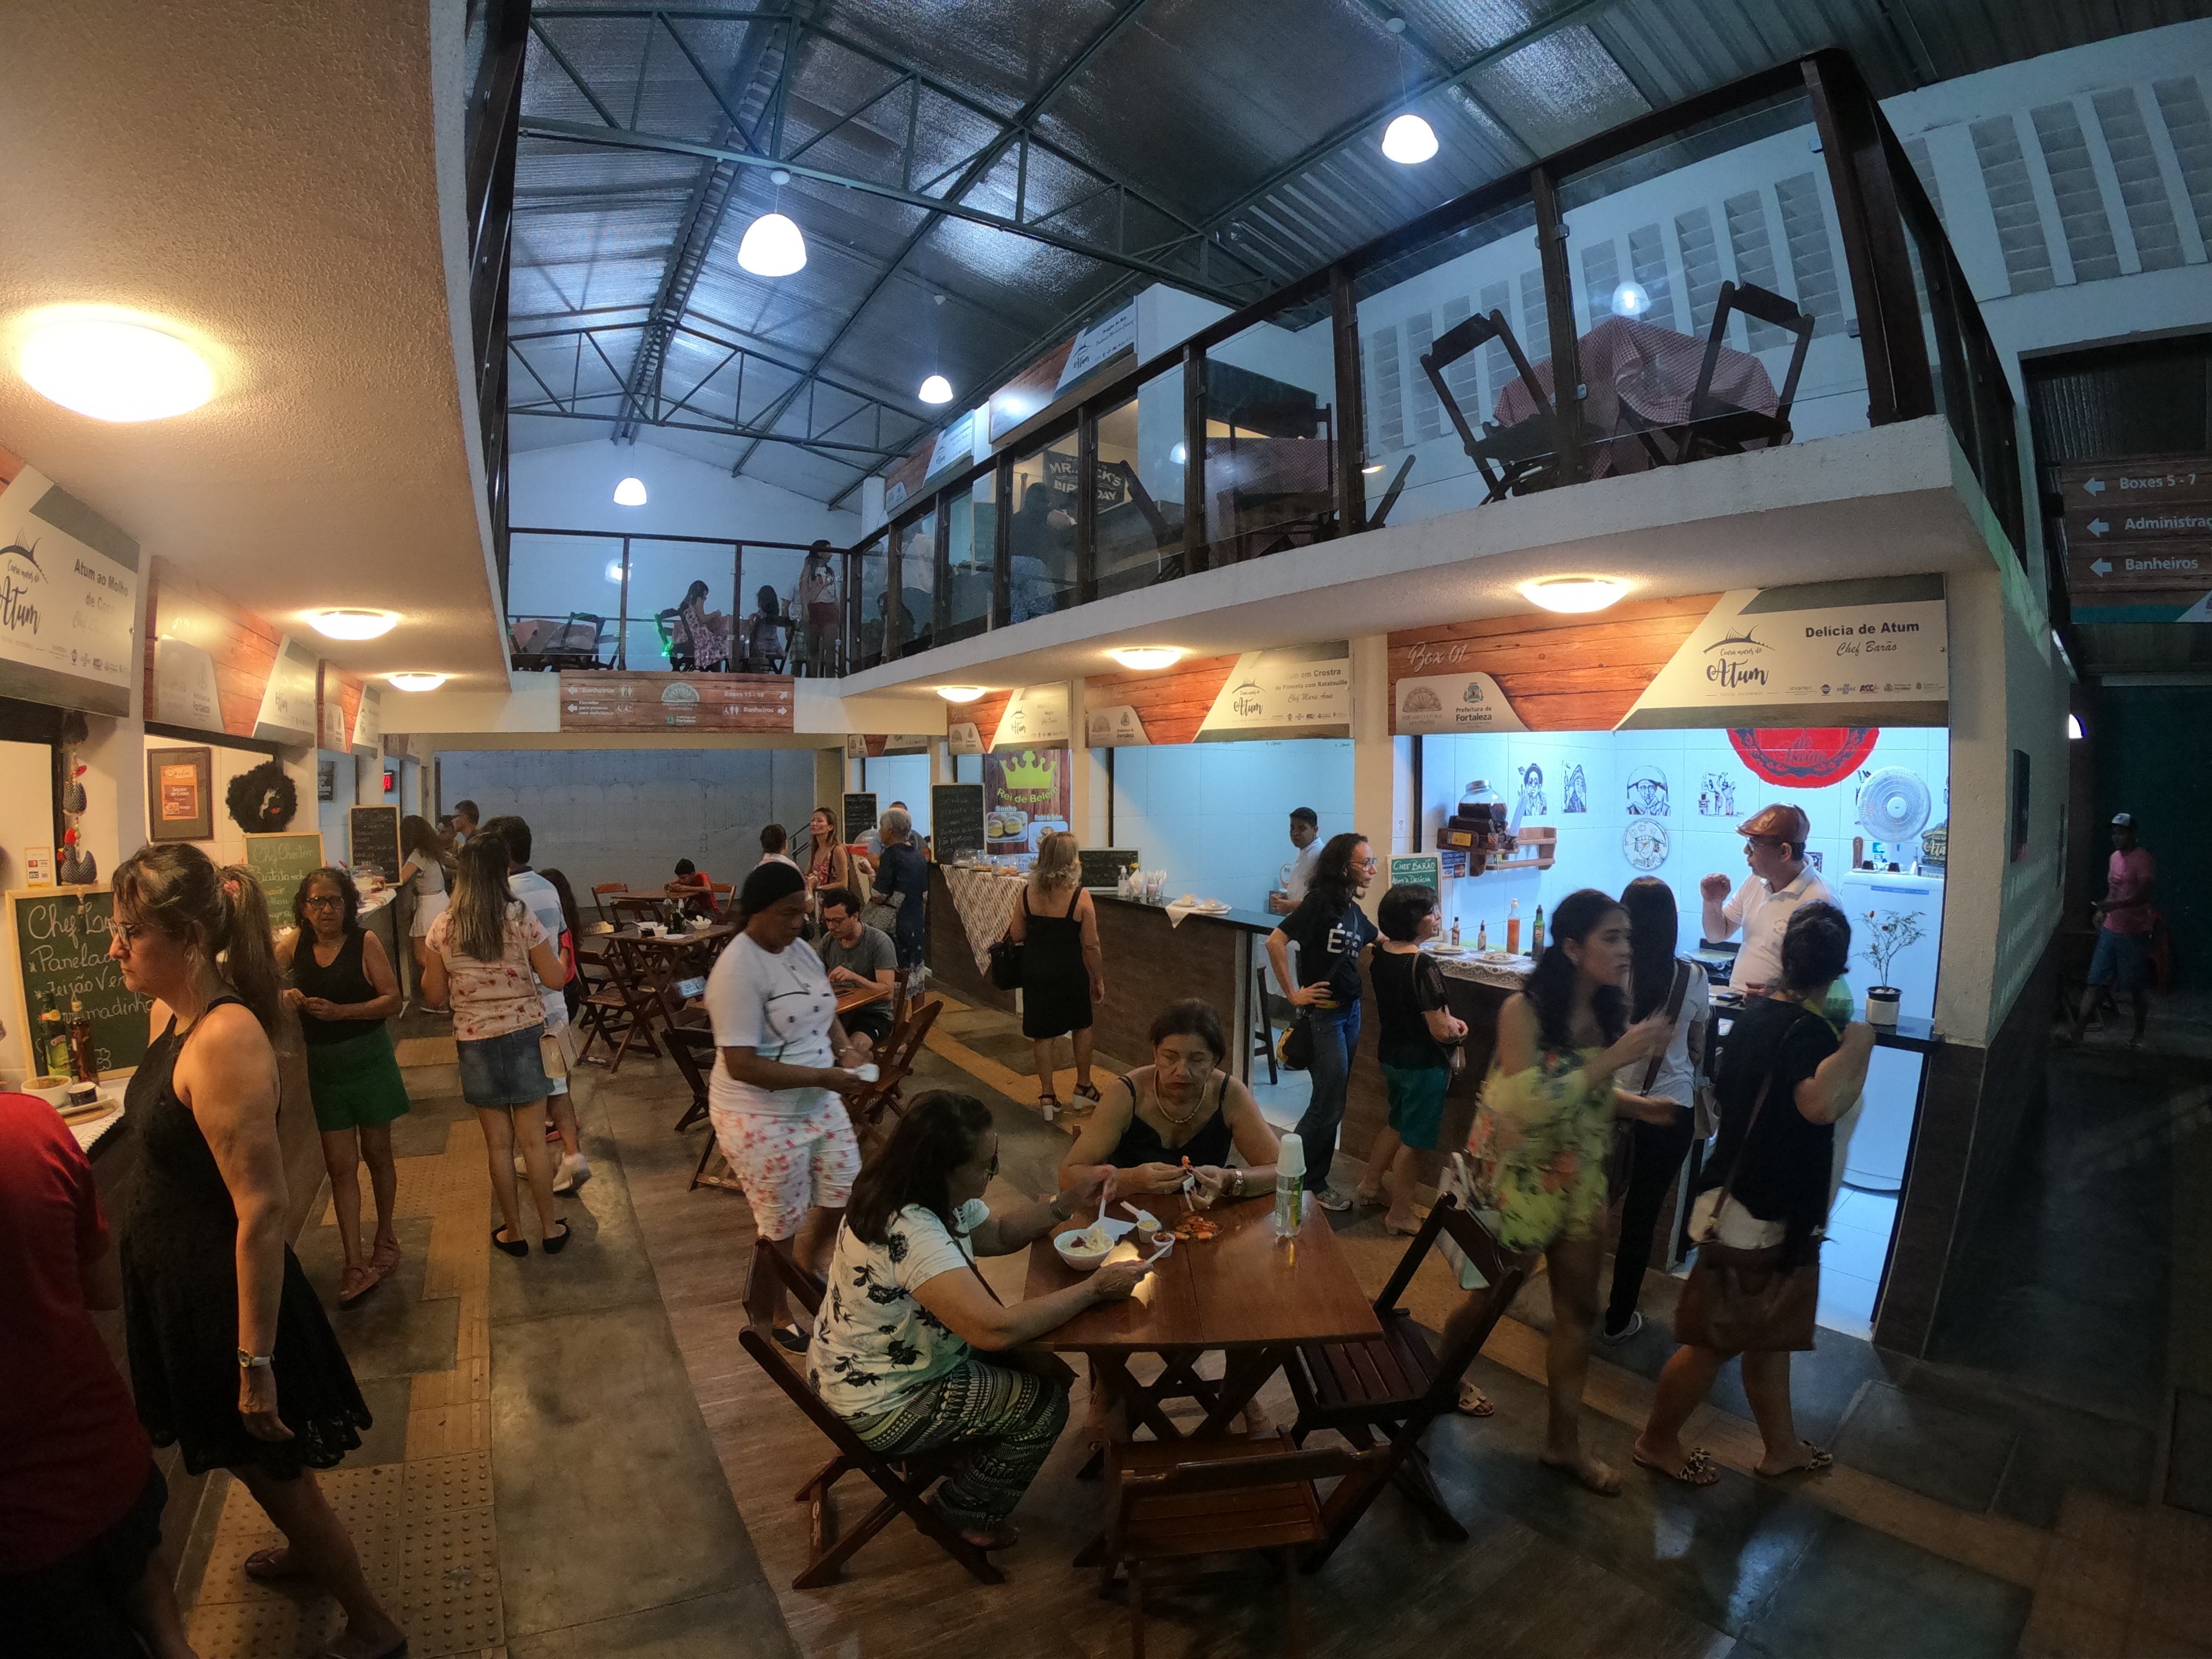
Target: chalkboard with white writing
(374,832)
(859,815)
(955,820)
(61,937)
(1104,866)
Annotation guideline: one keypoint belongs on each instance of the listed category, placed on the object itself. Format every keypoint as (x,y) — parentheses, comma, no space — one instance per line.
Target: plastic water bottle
(1289,1187)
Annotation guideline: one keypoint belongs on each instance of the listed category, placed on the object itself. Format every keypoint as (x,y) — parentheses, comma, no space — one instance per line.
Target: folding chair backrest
(1769,307)
(789,1378)
(1232,1473)
(797,1283)
(1502,1273)
(902,1046)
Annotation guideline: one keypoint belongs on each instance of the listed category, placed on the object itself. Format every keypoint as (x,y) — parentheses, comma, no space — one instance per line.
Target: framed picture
(326,780)
(180,795)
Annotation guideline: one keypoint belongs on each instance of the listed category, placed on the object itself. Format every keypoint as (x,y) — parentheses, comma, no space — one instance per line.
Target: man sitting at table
(694,886)
(857,955)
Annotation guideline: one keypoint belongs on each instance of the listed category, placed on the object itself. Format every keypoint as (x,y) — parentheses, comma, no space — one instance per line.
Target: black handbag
(1006,965)
(1295,1051)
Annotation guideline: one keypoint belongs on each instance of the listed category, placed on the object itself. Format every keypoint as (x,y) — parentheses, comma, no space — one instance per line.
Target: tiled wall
(1590,842)
(1216,815)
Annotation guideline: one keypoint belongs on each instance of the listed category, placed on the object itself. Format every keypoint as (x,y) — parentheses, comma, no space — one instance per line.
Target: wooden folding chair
(1397,1384)
(1718,426)
(894,1064)
(1512,460)
(617,1012)
(904,1481)
(630,909)
(1178,1500)
(602,891)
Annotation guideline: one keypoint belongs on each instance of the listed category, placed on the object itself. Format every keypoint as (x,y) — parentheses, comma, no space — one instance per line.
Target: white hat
(2123,820)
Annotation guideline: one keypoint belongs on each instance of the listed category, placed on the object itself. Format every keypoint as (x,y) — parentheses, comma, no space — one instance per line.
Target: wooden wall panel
(244,645)
(987,711)
(1561,674)
(1173,704)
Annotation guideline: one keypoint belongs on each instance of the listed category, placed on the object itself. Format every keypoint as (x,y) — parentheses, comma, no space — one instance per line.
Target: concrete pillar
(1382,802)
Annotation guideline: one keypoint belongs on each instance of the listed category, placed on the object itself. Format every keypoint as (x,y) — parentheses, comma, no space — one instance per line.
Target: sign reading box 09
(677,702)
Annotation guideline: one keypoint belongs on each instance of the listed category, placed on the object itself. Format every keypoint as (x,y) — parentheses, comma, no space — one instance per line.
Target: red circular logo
(1804,757)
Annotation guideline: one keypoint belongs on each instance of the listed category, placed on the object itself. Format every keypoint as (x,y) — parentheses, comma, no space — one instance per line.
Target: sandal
(357,1283)
(273,1564)
(1049,1104)
(1088,1093)
(1697,1468)
(1821,1458)
(1369,1200)
(1472,1402)
(384,1256)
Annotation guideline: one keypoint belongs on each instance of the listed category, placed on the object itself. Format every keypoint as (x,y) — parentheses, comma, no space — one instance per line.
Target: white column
(1377,799)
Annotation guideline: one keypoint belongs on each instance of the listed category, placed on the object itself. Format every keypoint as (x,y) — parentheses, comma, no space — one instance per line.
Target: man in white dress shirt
(1305,835)
(1780,881)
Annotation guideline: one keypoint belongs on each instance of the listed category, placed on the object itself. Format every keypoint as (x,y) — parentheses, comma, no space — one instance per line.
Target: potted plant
(1889,933)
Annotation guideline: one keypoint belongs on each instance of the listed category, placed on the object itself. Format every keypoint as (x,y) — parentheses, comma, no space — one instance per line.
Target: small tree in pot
(1890,933)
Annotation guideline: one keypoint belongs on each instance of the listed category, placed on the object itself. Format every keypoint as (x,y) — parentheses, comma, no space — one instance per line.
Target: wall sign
(1098,345)
(1558,673)
(961,738)
(288,711)
(283,862)
(1026,797)
(1119,727)
(859,814)
(369,722)
(1872,652)
(1452,702)
(1803,757)
(185,687)
(180,795)
(1417,870)
(372,840)
(1036,714)
(955,448)
(1104,868)
(1300,692)
(2139,538)
(955,820)
(685,702)
(62,935)
(69,600)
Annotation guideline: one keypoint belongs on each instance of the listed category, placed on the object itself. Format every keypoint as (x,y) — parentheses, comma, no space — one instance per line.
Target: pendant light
(1409,141)
(773,245)
(936,390)
(630,492)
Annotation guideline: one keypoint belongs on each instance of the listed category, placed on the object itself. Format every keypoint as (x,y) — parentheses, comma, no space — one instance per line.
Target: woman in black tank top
(1180,1115)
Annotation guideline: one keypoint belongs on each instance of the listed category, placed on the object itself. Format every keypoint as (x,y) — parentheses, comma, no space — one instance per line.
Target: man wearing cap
(1780,881)
(2125,919)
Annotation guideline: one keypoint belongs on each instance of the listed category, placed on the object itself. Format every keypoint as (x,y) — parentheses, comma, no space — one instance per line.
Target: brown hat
(1784,822)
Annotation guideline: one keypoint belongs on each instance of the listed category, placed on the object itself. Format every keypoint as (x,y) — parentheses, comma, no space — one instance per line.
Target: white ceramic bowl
(1072,1251)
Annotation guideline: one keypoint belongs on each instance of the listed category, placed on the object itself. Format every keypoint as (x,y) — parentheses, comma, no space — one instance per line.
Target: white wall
(572,488)
(901,777)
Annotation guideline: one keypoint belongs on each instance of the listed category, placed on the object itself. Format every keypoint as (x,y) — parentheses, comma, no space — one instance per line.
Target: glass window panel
(562,604)
(1655,237)
(1042,571)
(768,622)
(679,604)
(1141,456)
(1427,446)
(860,620)
(963,588)
(915,541)
(1271,436)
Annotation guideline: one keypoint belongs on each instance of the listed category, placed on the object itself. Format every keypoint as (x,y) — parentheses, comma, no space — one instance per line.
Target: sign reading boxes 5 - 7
(2138,528)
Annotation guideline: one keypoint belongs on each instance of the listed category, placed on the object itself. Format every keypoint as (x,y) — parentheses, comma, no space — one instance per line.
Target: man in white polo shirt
(1780,881)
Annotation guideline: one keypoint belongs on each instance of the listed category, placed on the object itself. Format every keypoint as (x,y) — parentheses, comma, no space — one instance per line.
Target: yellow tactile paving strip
(424,1525)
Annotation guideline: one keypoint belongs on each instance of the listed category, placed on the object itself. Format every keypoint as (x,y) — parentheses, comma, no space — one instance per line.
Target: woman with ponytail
(1540,1136)
(232,1357)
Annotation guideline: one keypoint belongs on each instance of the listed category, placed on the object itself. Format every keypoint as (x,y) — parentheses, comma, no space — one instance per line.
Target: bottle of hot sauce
(1513,928)
(84,1065)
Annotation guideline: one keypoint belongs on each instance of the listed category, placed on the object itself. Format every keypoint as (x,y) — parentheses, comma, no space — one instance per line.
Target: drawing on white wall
(1577,788)
(1812,858)
(1531,802)
(1647,794)
(1717,797)
(1644,844)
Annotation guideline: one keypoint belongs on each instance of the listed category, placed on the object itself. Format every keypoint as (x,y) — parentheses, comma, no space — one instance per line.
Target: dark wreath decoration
(262,801)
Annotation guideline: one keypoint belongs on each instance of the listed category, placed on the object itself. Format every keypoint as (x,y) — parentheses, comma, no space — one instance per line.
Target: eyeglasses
(129,932)
(321,901)
(993,1172)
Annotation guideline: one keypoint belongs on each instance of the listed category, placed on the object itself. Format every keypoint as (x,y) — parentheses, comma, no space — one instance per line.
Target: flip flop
(370,1279)
(1822,1458)
(1472,1402)
(1697,1468)
(261,1565)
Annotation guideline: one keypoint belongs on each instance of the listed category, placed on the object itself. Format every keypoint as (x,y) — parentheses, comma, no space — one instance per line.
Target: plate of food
(1497,956)
(1449,950)
(1213,907)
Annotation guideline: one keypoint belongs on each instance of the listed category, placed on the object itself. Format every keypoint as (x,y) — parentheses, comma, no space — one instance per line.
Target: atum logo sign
(1737,661)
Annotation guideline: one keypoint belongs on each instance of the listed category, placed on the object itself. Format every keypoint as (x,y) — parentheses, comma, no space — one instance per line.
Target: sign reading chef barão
(1871,652)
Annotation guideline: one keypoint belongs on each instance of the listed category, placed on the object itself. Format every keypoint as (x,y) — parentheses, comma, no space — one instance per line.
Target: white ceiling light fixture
(615,571)
(114,369)
(1409,141)
(1631,299)
(414,682)
(351,625)
(2074,727)
(771,244)
(630,492)
(936,390)
(1144,657)
(1179,455)
(960,693)
(1574,595)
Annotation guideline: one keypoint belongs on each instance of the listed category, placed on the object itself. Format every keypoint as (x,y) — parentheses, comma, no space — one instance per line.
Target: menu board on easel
(283,862)
(955,820)
(61,936)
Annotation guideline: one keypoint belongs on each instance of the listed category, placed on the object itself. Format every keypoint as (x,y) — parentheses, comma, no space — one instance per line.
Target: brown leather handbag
(1738,1299)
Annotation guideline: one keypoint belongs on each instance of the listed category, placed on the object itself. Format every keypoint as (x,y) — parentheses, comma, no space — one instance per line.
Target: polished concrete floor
(2043,1485)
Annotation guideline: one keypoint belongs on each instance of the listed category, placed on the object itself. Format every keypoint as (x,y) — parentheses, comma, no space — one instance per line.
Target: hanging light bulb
(1409,141)
(1631,299)
(771,244)
(630,492)
(936,390)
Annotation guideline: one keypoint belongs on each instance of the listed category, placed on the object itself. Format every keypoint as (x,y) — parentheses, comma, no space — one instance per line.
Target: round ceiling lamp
(630,492)
(414,682)
(114,370)
(772,246)
(960,693)
(936,390)
(1409,141)
(1574,595)
(1631,299)
(353,624)
(1144,657)
(615,571)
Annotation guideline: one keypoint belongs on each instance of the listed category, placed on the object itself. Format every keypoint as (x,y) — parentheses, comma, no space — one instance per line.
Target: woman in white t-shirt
(773,1094)
(422,873)
(905,1312)
(1656,1150)
(487,955)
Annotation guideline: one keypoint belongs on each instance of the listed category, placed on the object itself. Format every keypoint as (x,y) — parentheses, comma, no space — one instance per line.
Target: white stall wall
(1216,815)
(628,815)
(901,777)
(1691,763)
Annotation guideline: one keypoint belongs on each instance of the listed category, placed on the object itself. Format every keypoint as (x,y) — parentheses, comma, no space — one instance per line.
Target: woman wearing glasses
(344,990)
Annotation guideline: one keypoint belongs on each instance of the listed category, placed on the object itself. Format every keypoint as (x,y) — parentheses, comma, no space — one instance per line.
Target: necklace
(1161,1101)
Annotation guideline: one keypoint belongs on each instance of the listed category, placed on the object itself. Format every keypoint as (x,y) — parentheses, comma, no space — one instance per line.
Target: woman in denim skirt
(490,955)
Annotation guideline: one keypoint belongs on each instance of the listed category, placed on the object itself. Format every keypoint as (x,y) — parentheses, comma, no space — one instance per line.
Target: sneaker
(1635,1324)
(1329,1199)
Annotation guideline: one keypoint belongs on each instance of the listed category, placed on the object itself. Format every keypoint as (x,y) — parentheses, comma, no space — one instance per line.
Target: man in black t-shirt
(1330,930)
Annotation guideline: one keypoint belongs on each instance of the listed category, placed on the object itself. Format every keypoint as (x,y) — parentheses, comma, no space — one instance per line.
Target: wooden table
(655,962)
(1241,1291)
(860,996)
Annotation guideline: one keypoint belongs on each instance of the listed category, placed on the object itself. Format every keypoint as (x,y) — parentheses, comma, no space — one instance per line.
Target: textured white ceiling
(265,173)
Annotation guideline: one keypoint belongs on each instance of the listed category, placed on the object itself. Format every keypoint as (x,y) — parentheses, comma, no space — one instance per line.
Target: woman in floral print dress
(1538,1148)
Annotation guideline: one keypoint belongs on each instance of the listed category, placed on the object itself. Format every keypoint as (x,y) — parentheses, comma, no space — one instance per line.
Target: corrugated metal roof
(1254,121)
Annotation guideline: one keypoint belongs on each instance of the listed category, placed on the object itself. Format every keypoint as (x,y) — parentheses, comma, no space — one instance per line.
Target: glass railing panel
(564,601)
(964,585)
(908,622)
(1713,304)
(1141,471)
(1471,303)
(1270,472)
(1042,572)
(680,595)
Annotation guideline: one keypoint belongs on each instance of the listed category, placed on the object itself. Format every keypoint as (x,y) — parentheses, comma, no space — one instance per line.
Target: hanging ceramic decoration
(1644,844)
(1804,757)
(1531,804)
(1577,788)
(74,865)
(1717,796)
(1647,794)
(1892,805)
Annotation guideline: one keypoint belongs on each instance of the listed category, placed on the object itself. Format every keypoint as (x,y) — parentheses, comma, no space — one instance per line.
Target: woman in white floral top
(490,955)
(895,1350)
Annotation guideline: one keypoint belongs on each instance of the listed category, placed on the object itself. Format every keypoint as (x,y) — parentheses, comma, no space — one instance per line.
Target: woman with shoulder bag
(1647,1151)
(1785,1078)
(1061,970)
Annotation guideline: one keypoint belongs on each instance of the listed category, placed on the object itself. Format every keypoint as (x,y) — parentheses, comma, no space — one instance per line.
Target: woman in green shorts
(345,989)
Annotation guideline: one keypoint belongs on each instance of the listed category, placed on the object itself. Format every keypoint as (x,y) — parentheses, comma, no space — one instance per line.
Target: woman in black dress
(1063,970)
(1181,1109)
(231,1355)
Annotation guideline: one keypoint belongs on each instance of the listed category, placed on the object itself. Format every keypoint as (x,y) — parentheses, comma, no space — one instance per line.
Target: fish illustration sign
(1300,692)
(69,600)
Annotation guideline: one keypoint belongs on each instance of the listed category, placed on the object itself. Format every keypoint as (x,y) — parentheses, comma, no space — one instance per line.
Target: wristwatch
(253,1361)
(1058,1214)
(1239,1174)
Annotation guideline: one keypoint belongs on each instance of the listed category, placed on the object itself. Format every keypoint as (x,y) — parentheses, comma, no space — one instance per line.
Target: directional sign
(2105,575)
(2135,483)
(2138,521)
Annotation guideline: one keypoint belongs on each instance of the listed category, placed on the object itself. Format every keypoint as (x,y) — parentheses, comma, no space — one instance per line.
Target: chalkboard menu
(61,936)
(955,820)
(1415,870)
(373,835)
(1104,866)
(859,815)
(283,862)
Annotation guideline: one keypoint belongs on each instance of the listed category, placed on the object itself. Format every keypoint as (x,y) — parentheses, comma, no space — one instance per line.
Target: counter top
(1256,921)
